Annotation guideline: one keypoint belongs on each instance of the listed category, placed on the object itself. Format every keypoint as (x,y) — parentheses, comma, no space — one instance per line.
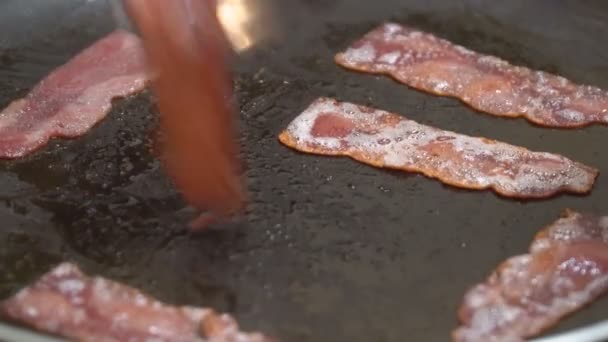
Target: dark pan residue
(330,250)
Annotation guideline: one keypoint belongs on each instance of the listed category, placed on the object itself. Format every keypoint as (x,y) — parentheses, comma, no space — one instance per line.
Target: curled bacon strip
(74,97)
(486,83)
(68,303)
(567,268)
(383,139)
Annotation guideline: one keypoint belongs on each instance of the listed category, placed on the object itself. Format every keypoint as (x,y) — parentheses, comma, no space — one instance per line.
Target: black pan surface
(331,250)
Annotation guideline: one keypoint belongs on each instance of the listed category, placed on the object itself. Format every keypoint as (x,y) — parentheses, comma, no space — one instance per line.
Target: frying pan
(330,250)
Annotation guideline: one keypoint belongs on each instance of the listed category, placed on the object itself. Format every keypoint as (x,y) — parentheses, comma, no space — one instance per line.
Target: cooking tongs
(187,53)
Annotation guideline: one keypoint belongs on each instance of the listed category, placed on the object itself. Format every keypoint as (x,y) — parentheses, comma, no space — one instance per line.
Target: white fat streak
(31,311)
(71,286)
(230,331)
(415,34)
(12,113)
(141,300)
(529,177)
(22,294)
(64,269)
(390,58)
(561,284)
(364,54)
(492,61)
(569,229)
(571,114)
(485,320)
(463,50)
(301,127)
(478,296)
(131,41)
(441,86)
(197,314)
(581,267)
(392,28)
(578,298)
(101,289)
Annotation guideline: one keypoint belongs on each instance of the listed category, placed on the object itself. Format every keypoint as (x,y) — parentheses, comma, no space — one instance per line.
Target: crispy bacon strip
(383,139)
(68,303)
(74,97)
(567,268)
(423,61)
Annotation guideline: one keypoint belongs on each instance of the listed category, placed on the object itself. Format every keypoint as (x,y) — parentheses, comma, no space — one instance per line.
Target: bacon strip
(193,89)
(486,83)
(567,268)
(74,97)
(68,303)
(383,139)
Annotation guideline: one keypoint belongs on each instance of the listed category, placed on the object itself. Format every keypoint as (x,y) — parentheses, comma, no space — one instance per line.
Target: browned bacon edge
(486,83)
(565,270)
(70,304)
(387,140)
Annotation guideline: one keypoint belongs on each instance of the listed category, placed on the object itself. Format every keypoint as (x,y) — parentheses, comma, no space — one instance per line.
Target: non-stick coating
(331,250)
